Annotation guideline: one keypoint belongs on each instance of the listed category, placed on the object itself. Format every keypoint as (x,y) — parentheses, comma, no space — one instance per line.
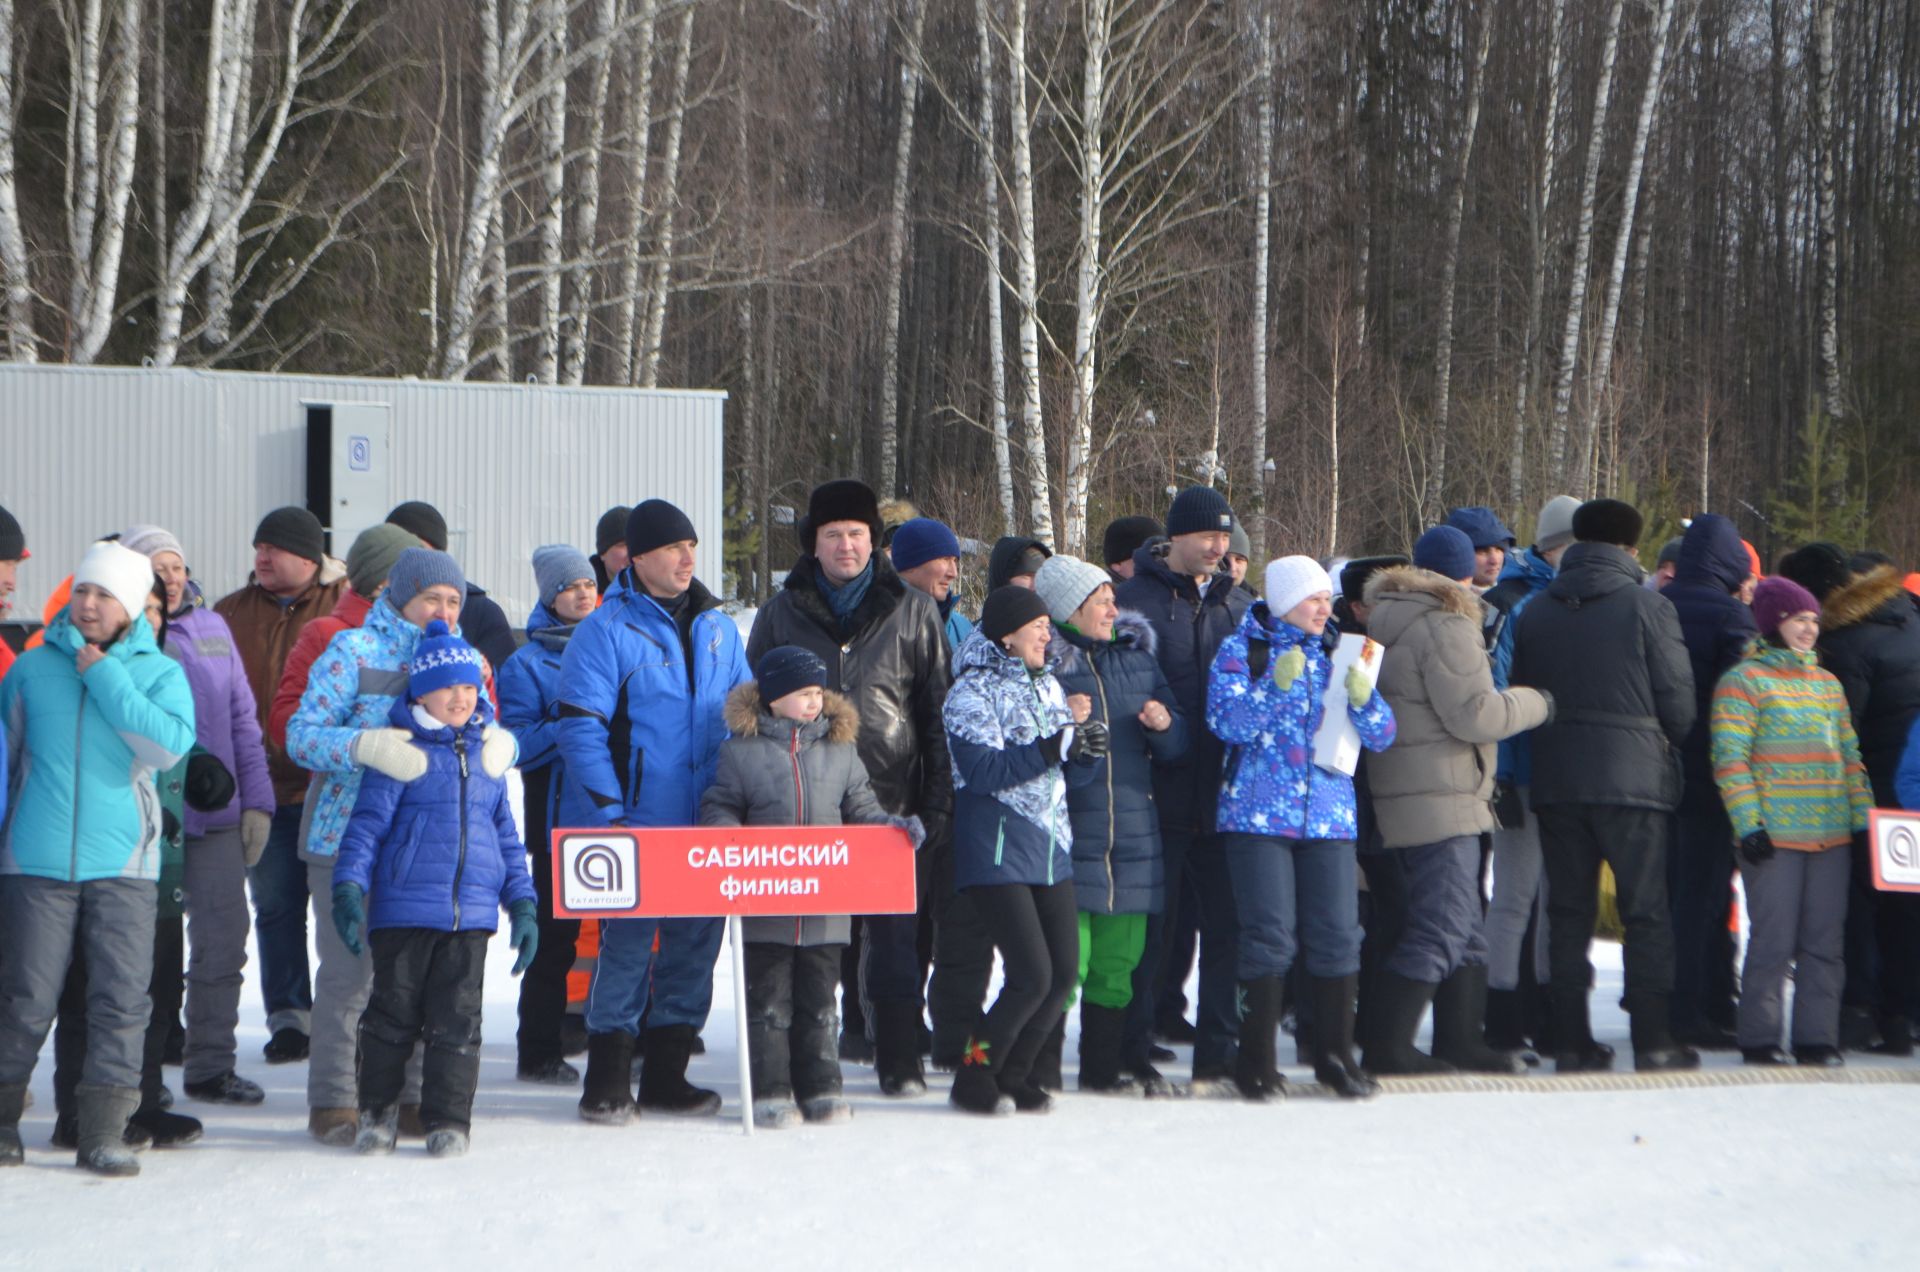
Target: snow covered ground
(1751,1178)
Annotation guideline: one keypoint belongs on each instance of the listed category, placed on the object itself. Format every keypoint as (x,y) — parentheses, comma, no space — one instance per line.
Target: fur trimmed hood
(1861,598)
(1400,597)
(745,711)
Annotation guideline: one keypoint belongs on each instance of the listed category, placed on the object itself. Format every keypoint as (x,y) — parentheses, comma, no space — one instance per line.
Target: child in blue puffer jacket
(446,856)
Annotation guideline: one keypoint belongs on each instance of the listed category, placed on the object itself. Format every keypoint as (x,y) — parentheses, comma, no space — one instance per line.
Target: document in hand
(1336,747)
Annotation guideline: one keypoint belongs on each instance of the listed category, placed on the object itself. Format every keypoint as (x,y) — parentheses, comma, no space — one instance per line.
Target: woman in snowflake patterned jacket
(1287,825)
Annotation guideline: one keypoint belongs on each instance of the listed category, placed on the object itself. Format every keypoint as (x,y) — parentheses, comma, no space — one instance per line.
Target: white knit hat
(125,574)
(1291,580)
(1065,584)
(148,540)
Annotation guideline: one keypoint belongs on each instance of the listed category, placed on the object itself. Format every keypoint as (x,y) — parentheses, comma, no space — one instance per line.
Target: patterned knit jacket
(1784,752)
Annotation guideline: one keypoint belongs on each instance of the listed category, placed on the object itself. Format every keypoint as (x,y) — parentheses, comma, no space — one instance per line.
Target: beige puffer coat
(1436,780)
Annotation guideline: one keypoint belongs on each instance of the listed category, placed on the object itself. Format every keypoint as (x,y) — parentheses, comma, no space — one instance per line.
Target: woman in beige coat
(1433,799)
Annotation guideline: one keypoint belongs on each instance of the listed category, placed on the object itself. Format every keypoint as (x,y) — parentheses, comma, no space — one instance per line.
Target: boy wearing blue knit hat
(448,856)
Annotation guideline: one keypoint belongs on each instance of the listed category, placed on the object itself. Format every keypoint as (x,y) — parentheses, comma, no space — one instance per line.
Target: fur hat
(843,499)
(1354,575)
(1821,568)
(1608,521)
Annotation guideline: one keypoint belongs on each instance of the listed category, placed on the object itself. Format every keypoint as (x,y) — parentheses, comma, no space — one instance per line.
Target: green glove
(1359,692)
(1287,668)
(349,915)
(523,934)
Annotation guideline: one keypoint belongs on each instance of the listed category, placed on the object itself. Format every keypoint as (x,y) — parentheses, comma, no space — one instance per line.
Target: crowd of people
(1361,791)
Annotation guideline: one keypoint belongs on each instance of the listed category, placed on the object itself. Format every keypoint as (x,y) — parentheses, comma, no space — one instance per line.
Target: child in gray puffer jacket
(791,762)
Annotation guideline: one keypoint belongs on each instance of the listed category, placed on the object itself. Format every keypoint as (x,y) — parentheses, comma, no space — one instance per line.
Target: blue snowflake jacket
(1270,785)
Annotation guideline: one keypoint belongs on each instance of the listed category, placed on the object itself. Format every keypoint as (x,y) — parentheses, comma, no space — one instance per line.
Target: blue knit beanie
(555,566)
(442,659)
(416,570)
(786,669)
(1199,510)
(922,540)
(1446,551)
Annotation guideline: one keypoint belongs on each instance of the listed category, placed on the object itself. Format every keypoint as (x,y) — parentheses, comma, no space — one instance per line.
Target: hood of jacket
(1529,567)
(1400,597)
(137,639)
(352,607)
(1259,623)
(1592,570)
(540,617)
(1712,553)
(1005,555)
(1151,560)
(1879,595)
(747,716)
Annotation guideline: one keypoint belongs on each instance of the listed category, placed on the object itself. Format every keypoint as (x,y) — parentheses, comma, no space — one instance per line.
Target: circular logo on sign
(1902,848)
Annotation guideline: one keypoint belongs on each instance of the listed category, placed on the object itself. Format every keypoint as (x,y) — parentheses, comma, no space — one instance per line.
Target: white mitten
(390,751)
(498,750)
(255,825)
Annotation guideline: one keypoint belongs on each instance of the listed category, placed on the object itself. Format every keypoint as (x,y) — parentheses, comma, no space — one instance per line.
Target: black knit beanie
(423,521)
(1008,609)
(612,528)
(656,523)
(1125,536)
(293,529)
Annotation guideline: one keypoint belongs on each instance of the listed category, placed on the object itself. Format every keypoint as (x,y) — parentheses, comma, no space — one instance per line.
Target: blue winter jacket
(1118,866)
(351,686)
(1526,574)
(640,736)
(1271,785)
(1009,799)
(440,851)
(81,798)
(1717,626)
(956,626)
(1906,778)
(529,685)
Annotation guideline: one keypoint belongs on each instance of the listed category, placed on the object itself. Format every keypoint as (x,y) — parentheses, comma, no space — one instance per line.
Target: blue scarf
(846,598)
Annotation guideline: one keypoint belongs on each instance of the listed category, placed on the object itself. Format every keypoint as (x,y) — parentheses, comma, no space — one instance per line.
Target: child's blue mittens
(523,933)
(349,915)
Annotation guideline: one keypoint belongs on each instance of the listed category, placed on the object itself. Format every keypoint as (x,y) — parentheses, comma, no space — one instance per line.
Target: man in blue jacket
(643,685)
(89,717)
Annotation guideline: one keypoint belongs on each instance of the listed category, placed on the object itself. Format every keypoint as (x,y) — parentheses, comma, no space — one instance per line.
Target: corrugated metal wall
(91,450)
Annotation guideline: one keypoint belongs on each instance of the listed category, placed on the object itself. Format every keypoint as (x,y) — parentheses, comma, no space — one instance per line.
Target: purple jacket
(225,719)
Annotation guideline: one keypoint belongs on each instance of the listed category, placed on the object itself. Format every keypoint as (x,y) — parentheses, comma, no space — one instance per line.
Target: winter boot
(663,1079)
(227,1088)
(1153,1083)
(776,1114)
(1858,1028)
(1771,1057)
(1575,1051)
(1402,1001)
(975,1089)
(1506,1028)
(573,1035)
(446,1141)
(66,1133)
(378,1129)
(896,1050)
(554,1072)
(103,1112)
(1820,1057)
(411,1127)
(1896,1036)
(164,1129)
(1254,1071)
(854,1047)
(1459,1007)
(13,1102)
(1101,1029)
(333,1127)
(1333,1017)
(287,1046)
(824,1110)
(1046,1066)
(1654,1048)
(607,1096)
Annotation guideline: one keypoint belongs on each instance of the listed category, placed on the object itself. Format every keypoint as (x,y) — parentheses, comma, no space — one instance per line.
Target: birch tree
(1602,369)
(552,36)
(1033,435)
(1539,205)
(990,197)
(897,249)
(224,268)
(655,333)
(1255,502)
(1088,295)
(577,328)
(637,131)
(23,344)
(103,39)
(1583,246)
(1826,142)
(1450,264)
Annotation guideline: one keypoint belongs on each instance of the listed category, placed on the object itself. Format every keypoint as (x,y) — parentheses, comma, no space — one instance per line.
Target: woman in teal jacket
(90,717)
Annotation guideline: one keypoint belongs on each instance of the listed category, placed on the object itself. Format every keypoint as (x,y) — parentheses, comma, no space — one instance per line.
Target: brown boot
(410,1124)
(334,1127)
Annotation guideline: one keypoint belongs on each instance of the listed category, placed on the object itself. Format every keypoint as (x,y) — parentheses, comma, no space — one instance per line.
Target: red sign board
(1896,850)
(717,871)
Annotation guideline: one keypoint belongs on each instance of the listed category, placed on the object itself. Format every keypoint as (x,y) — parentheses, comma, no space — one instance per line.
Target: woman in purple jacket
(220,845)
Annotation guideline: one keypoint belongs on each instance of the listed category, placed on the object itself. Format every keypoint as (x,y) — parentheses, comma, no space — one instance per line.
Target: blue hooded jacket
(441,851)
(1526,574)
(1716,626)
(529,685)
(639,731)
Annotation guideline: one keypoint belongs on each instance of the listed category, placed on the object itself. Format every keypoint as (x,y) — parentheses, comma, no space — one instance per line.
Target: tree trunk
(577,325)
(1826,142)
(639,127)
(662,286)
(1254,501)
(224,267)
(1583,248)
(1527,388)
(23,342)
(996,329)
(1597,378)
(105,51)
(1088,287)
(1027,270)
(1450,269)
(553,182)
(889,422)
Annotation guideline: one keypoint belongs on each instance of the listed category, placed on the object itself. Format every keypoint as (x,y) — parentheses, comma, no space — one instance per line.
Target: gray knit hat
(1065,584)
(373,553)
(147,540)
(417,569)
(555,566)
(1555,527)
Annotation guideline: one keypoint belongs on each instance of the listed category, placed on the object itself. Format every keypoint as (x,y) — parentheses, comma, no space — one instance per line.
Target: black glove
(1090,742)
(1756,846)
(1050,747)
(169,825)
(209,785)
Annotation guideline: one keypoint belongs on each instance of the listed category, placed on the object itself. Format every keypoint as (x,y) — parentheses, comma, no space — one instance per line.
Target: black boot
(1506,1025)
(1333,1015)
(1402,1002)
(1654,1048)
(166,1130)
(1575,1051)
(1254,1070)
(896,1049)
(1101,1032)
(1046,1066)
(663,1077)
(1459,1008)
(607,1096)
(13,1102)
(1896,1036)
(975,1087)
